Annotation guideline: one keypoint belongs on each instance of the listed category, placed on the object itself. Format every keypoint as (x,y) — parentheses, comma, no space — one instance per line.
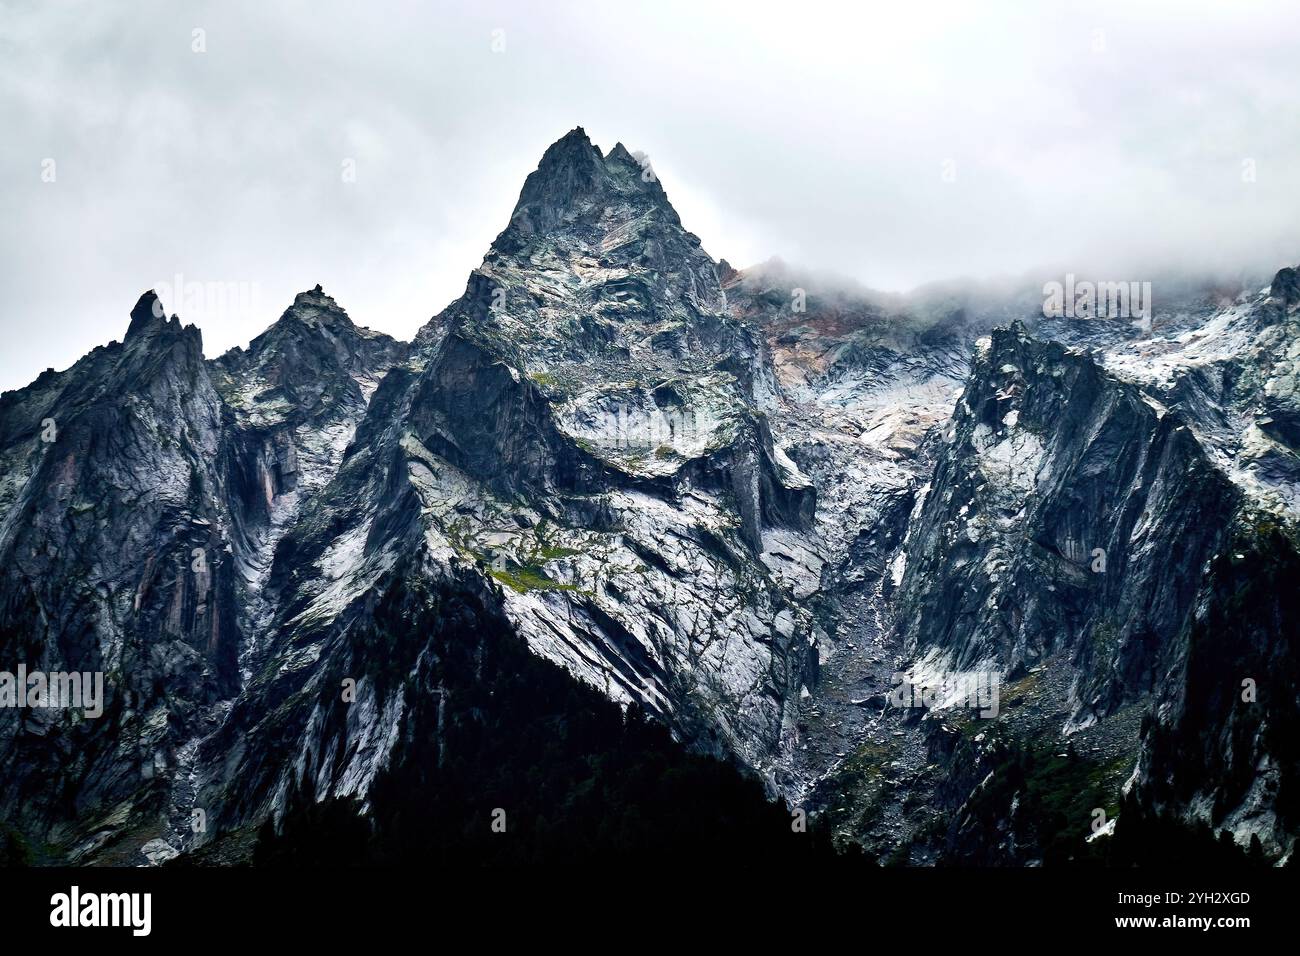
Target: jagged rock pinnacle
(148,312)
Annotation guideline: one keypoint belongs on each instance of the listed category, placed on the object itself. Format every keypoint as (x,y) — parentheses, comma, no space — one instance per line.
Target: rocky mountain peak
(574,182)
(314,309)
(621,154)
(313,363)
(571,170)
(151,338)
(595,274)
(147,315)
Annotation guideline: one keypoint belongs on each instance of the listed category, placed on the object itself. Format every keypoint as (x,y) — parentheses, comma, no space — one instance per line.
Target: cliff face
(1086,535)
(1068,514)
(742,501)
(115,562)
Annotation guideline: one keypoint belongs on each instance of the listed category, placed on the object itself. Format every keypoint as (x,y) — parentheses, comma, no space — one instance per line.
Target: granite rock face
(1085,527)
(746,501)
(115,562)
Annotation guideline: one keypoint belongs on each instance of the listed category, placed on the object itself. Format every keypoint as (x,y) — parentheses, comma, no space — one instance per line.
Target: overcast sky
(893,143)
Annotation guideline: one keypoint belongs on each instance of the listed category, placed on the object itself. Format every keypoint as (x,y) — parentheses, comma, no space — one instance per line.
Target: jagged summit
(151,331)
(575,181)
(147,313)
(313,314)
(570,170)
(594,269)
(621,154)
(312,358)
(314,307)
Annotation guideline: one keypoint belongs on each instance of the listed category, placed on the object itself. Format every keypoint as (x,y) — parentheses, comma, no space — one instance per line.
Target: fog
(377,148)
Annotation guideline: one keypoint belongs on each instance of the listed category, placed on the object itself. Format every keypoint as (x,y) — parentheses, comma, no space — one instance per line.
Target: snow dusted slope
(1074,540)
(997,578)
(1234,378)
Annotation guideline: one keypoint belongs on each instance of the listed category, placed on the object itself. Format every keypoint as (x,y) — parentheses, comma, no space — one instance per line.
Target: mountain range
(629,548)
